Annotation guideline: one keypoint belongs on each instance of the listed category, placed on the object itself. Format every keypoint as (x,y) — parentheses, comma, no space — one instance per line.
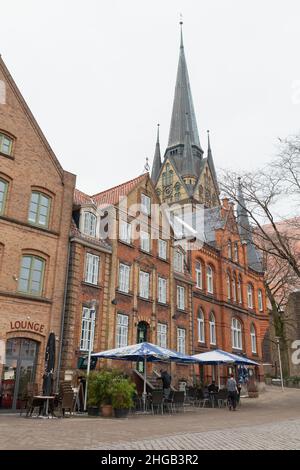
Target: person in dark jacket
(166,383)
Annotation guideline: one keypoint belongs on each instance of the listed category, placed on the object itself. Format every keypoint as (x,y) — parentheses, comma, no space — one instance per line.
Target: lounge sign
(34,326)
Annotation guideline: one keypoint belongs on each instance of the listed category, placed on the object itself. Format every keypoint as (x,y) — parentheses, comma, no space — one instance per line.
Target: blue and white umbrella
(146,352)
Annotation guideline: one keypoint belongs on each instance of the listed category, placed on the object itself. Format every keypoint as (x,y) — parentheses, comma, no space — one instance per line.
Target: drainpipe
(63,319)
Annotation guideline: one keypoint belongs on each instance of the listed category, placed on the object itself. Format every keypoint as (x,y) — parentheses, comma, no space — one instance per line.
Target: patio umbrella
(146,352)
(49,365)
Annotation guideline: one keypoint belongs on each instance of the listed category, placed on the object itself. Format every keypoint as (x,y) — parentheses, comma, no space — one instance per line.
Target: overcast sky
(99,75)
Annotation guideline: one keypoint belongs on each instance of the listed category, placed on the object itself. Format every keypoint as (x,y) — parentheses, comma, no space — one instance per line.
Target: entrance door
(19,370)
(141,338)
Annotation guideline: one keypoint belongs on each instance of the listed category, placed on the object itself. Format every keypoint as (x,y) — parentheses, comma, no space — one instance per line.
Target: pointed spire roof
(183,103)
(245,232)
(156,160)
(211,161)
(188,167)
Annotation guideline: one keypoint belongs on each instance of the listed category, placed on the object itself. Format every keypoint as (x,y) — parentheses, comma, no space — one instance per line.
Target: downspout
(63,319)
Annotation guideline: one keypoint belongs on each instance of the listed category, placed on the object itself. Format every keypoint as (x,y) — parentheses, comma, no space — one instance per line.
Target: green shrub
(122,392)
(99,387)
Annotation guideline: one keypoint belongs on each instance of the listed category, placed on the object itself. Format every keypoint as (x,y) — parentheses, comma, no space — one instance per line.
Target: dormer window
(5,144)
(145,204)
(90,222)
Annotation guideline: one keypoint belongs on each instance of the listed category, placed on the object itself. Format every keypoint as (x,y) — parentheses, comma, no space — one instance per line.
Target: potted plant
(99,392)
(122,396)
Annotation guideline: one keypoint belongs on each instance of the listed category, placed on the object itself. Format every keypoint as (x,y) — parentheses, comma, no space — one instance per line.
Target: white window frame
(240,294)
(162,290)
(162,335)
(89,223)
(181,340)
(87,323)
(236,334)
(145,204)
(145,241)
(124,278)
(228,282)
(180,297)
(178,261)
(3,195)
(91,268)
(144,285)
(199,280)
(250,295)
(260,300)
(212,329)
(234,289)
(162,249)
(253,339)
(122,330)
(236,251)
(125,231)
(229,249)
(201,327)
(209,279)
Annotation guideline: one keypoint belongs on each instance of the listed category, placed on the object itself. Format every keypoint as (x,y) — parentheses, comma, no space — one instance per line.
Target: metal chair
(157,401)
(221,398)
(178,400)
(202,398)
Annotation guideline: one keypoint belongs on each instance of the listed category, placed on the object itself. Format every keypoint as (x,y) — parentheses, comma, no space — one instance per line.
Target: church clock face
(168,190)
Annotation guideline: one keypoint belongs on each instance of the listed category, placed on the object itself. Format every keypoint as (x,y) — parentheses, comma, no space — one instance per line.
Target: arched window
(250,295)
(31,275)
(253,338)
(209,280)
(229,249)
(260,300)
(3,193)
(5,144)
(212,329)
(199,283)
(228,285)
(240,296)
(236,334)
(90,222)
(39,209)
(234,288)
(201,332)
(236,251)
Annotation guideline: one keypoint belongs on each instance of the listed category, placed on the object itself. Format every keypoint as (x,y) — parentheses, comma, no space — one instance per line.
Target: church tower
(185,175)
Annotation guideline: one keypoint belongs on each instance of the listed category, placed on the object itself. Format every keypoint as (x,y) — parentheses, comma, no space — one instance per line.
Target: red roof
(82,198)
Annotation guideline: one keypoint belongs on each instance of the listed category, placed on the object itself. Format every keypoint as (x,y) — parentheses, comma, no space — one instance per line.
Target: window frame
(212,329)
(144,292)
(250,295)
(86,334)
(162,280)
(37,222)
(126,269)
(120,329)
(145,204)
(163,243)
(201,326)
(236,334)
(162,334)
(253,339)
(180,290)
(93,275)
(90,233)
(260,300)
(199,275)
(3,136)
(178,261)
(5,192)
(29,280)
(181,337)
(209,279)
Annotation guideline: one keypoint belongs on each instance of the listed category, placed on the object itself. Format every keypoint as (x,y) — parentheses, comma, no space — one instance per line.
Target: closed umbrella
(49,365)
(146,352)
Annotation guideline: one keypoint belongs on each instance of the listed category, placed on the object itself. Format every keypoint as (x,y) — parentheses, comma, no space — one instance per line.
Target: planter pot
(121,412)
(106,411)
(93,411)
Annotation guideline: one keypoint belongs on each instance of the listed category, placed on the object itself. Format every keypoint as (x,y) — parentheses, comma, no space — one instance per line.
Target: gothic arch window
(212,329)
(229,249)
(228,285)
(201,331)
(236,334)
(209,280)
(253,338)
(239,290)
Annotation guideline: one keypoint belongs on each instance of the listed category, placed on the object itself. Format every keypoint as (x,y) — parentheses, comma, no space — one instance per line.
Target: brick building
(36,197)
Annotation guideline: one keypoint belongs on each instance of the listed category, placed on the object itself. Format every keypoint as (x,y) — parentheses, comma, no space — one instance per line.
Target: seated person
(213,388)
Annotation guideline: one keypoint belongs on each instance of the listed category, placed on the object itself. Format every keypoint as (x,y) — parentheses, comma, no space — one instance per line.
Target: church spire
(183,103)
(156,160)
(211,161)
(188,168)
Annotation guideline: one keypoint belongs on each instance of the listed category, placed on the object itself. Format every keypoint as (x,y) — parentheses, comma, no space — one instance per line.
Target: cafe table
(46,399)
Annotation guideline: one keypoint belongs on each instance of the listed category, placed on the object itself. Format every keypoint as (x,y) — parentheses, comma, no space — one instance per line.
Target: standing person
(239,388)
(166,383)
(232,392)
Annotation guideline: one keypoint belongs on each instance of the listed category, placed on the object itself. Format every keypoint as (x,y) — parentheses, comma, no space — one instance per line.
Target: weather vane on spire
(147,166)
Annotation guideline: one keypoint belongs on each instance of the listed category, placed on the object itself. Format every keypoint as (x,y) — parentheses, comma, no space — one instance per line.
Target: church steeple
(188,167)
(182,104)
(210,162)
(156,160)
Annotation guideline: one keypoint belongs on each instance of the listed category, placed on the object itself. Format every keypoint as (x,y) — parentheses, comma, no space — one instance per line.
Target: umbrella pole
(219,380)
(144,391)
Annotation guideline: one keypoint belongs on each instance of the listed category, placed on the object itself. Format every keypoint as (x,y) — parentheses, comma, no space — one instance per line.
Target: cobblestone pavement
(270,422)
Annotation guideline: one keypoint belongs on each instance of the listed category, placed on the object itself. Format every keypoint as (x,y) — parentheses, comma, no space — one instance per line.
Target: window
(240,297)
(5,144)
(167,176)
(260,300)
(209,279)
(236,251)
(178,261)
(181,340)
(31,275)
(162,335)
(90,221)
(234,288)
(236,333)
(228,286)
(3,192)
(91,268)
(146,204)
(145,241)
(229,249)
(212,329)
(250,295)
(253,338)
(162,290)
(199,275)
(124,277)
(180,298)
(39,209)
(201,332)
(162,249)
(144,284)
(125,232)
(86,329)
(122,331)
